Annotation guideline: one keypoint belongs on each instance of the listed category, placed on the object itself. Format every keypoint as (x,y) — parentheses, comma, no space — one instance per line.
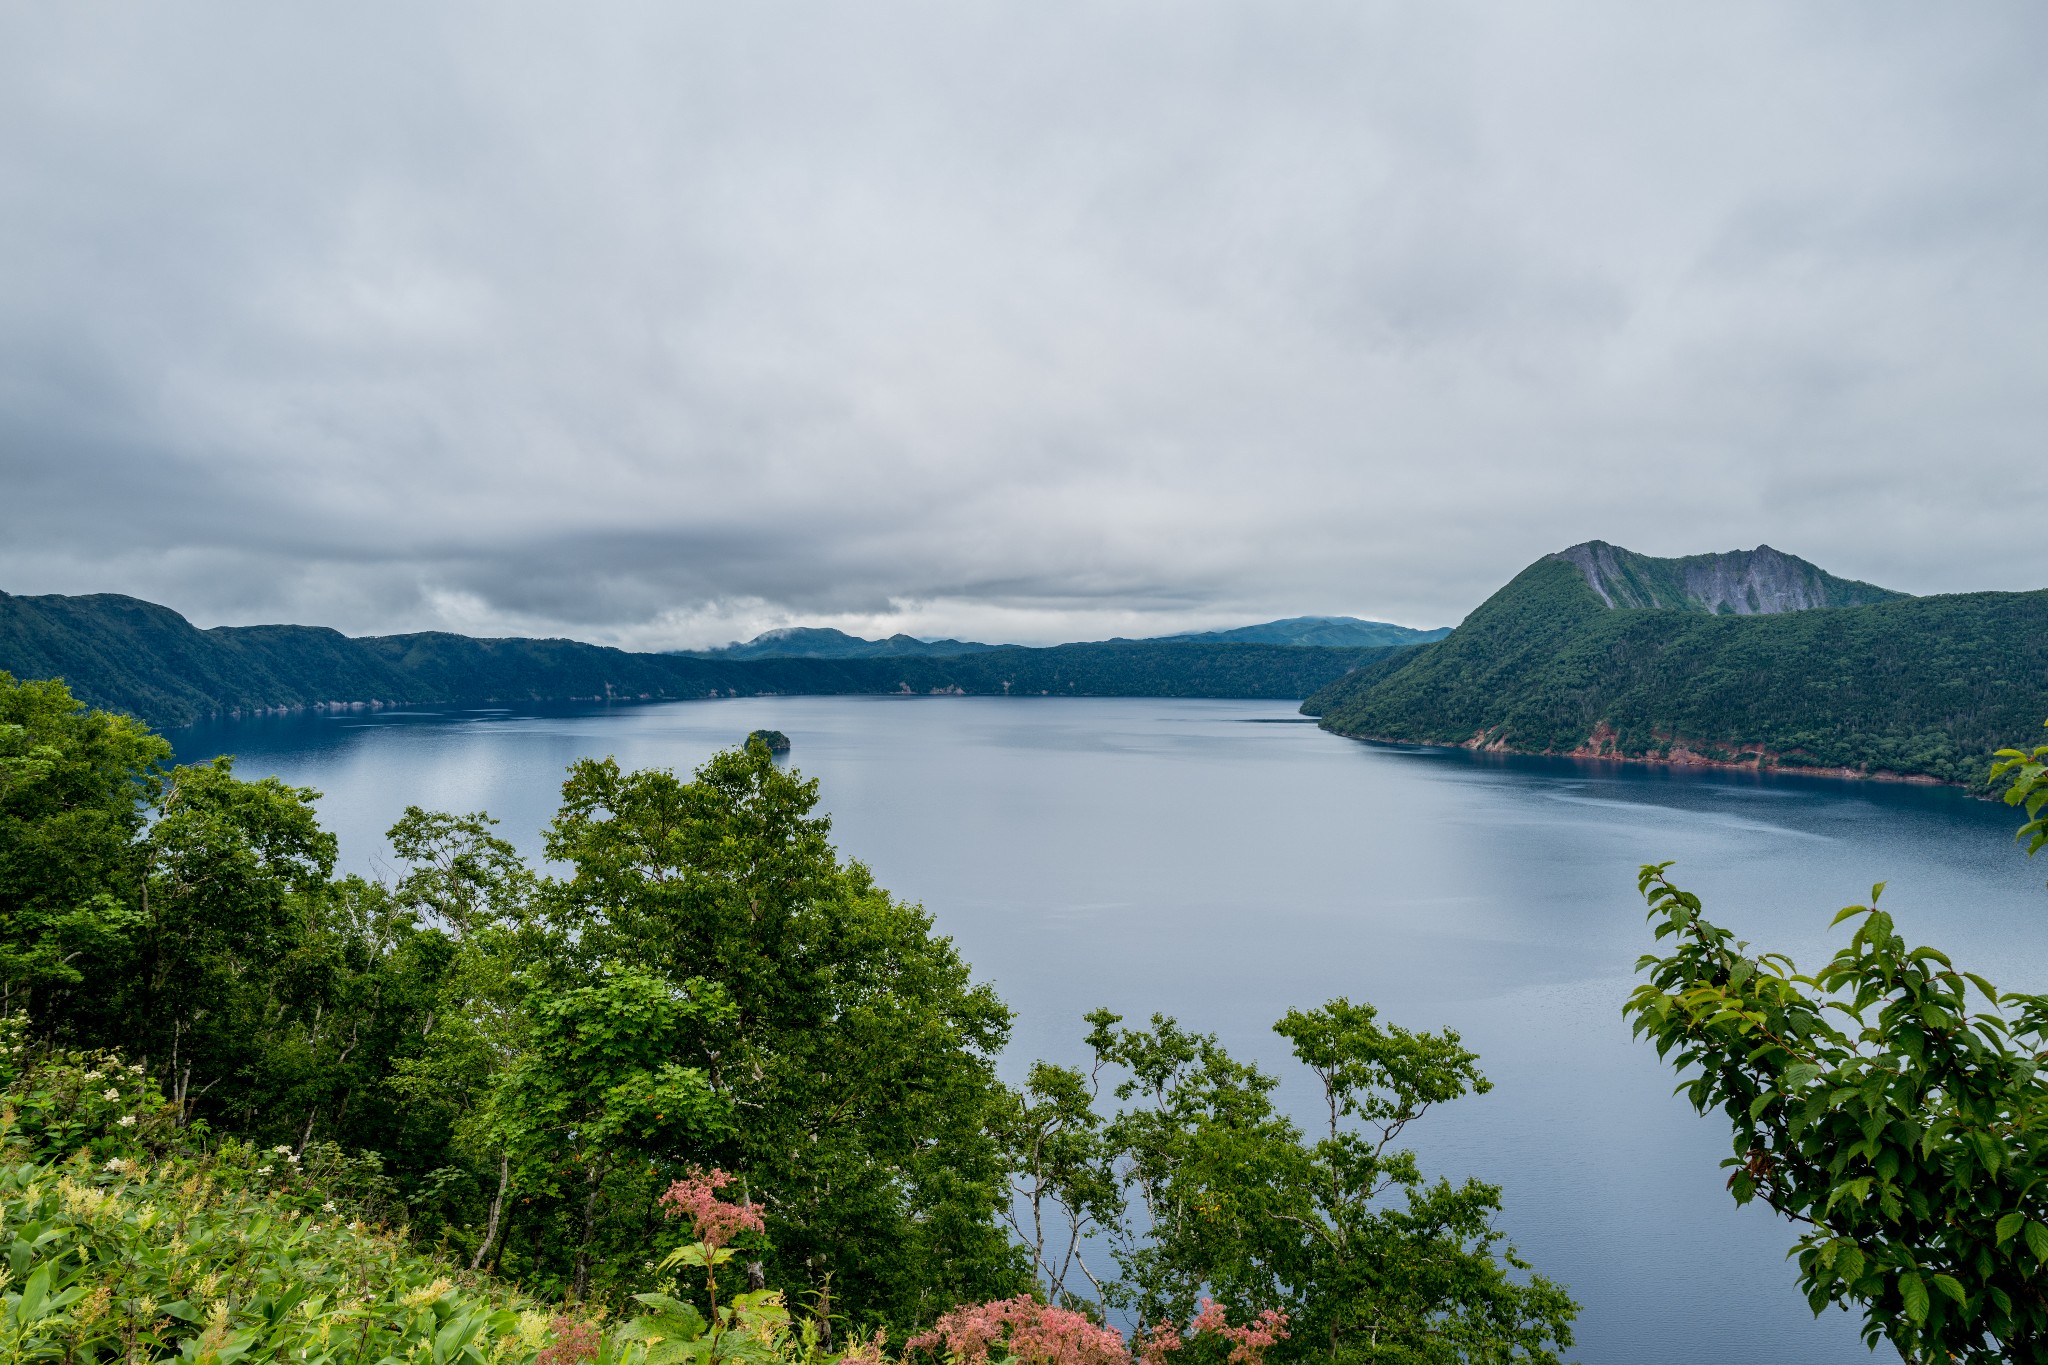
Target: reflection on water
(1166,856)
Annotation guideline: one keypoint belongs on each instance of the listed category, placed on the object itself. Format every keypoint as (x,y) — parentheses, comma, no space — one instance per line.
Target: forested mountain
(1341,631)
(147,660)
(1743,658)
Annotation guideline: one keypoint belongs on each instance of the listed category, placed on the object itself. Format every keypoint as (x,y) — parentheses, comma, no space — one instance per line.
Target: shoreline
(1599,747)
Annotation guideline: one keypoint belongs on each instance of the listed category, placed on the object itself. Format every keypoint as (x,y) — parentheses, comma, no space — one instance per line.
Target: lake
(1221,862)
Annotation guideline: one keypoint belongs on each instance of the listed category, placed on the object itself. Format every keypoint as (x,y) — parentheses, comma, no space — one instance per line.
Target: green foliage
(1370,1260)
(72,787)
(1918,686)
(858,1050)
(1902,1129)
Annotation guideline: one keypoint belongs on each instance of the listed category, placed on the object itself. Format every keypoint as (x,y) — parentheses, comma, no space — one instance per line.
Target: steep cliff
(1759,582)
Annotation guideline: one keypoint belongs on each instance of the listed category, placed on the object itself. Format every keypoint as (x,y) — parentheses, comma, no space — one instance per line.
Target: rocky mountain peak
(1759,582)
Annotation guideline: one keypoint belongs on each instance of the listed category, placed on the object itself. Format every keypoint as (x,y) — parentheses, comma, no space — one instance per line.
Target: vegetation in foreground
(1890,1104)
(706,1053)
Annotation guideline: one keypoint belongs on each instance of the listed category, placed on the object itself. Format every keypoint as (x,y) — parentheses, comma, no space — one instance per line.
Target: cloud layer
(661,324)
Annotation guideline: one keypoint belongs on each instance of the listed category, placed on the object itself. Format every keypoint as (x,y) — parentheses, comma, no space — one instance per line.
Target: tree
(1902,1130)
(74,786)
(859,1053)
(1368,1260)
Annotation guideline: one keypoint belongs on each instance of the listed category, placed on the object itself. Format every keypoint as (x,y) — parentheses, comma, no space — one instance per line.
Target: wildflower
(327,1207)
(115,1164)
(126,1121)
(575,1342)
(110,1094)
(93,1075)
(1032,1333)
(265,1169)
(1247,1343)
(426,1294)
(281,1150)
(95,1306)
(718,1221)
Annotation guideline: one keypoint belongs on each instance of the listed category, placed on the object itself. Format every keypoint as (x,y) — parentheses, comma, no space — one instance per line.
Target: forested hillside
(149,661)
(1921,687)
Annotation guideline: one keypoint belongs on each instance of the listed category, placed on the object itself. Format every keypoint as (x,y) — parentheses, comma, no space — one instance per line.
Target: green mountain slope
(133,656)
(1920,687)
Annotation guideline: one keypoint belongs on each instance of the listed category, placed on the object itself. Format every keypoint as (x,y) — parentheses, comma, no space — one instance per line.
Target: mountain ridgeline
(128,655)
(1753,658)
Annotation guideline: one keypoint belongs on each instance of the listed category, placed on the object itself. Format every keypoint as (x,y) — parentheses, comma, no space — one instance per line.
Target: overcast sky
(660,325)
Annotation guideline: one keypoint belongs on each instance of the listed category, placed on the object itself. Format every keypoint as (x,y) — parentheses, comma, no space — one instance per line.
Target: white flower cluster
(126,1121)
(110,1094)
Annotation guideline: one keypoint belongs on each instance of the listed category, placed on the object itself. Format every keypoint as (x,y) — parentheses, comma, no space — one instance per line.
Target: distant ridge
(1750,658)
(1343,631)
(823,642)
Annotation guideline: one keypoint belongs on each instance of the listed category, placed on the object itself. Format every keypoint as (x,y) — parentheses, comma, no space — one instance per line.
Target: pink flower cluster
(576,1342)
(1247,1343)
(1032,1333)
(718,1220)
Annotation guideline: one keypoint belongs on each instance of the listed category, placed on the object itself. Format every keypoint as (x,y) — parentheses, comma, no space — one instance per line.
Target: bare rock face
(1759,582)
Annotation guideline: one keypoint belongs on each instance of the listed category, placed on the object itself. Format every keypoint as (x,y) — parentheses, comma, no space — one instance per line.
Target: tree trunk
(497,1210)
(581,1284)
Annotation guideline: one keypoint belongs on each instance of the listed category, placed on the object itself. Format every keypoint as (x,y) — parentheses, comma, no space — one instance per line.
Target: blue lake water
(1219,862)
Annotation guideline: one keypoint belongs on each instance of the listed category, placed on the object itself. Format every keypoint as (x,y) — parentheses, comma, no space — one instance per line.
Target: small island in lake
(777,742)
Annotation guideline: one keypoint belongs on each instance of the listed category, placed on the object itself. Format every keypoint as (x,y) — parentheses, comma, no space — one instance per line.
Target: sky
(660,325)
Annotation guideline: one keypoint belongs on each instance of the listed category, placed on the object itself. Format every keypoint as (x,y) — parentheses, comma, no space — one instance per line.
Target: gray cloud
(660,324)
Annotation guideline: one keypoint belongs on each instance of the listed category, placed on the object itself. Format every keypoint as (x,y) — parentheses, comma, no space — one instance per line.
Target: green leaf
(1915,1295)
(2037,1240)
(2010,1225)
(1952,1287)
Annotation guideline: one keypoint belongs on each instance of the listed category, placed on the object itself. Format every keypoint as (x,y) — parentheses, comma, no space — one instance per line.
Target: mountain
(822,642)
(1339,631)
(129,655)
(1752,657)
(1759,582)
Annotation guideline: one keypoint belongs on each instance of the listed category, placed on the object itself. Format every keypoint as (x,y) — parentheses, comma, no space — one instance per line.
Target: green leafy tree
(230,873)
(859,1053)
(1064,1187)
(598,1087)
(74,786)
(1369,1260)
(1902,1127)
(462,876)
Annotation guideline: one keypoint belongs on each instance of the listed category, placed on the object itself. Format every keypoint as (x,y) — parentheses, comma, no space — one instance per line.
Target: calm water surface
(1213,861)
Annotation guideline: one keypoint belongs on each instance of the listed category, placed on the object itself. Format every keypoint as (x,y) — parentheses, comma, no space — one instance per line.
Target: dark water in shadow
(1171,856)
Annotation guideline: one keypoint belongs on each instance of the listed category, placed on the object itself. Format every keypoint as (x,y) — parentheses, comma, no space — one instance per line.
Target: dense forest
(1922,687)
(250,1109)
(134,656)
